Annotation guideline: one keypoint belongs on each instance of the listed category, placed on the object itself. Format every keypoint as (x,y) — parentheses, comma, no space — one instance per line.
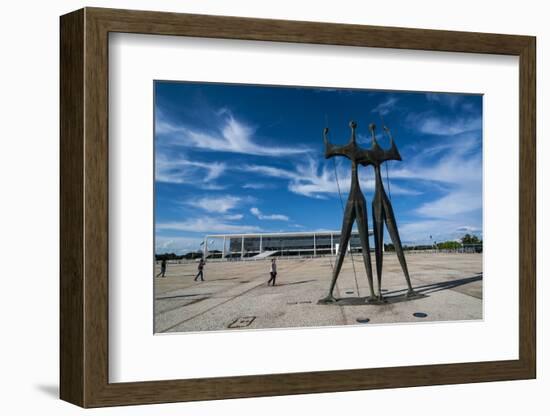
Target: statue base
(329,300)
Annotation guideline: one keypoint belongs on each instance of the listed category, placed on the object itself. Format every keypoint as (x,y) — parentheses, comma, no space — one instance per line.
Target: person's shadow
(423,291)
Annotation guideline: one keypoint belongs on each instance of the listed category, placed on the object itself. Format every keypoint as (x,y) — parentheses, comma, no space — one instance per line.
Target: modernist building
(281,244)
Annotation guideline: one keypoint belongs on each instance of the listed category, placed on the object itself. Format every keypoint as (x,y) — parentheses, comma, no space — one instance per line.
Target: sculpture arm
(330,149)
(380,155)
(392,153)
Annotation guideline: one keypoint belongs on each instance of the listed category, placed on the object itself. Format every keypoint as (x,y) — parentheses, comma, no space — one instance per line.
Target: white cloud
(180,245)
(363,138)
(257,185)
(315,181)
(177,169)
(386,106)
(228,135)
(419,231)
(452,204)
(270,171)
(468,229)
(218,204)
(176,244)
(207,225)
(232,217)
(444,126)
(450,100)
(460,163)
(257,213)
(458,169)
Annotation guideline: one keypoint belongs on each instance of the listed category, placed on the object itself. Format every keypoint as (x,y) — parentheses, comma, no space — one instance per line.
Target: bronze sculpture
(382,210)
(356,210)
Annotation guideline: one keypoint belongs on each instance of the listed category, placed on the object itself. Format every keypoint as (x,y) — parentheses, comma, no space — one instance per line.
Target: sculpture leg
(378,225)
(349,217)
(363,227)
(394,235)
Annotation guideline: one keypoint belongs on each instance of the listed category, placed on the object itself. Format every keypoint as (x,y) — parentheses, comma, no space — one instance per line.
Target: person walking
(162,268)
(273,272)
(200,273)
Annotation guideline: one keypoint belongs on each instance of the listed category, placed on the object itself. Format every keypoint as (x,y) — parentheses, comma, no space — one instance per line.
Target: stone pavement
(235,295)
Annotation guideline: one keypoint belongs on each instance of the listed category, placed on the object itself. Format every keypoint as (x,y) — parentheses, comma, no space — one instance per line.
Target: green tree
(470,239)
(448,245)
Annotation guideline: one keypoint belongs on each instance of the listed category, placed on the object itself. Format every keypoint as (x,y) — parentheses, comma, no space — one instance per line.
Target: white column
(331,243)
(261,248)
(242,247)
(205,247)
(223,249)
(314,245)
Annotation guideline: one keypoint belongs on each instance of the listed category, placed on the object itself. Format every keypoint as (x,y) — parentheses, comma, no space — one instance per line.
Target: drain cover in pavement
(363,320)
(242,322)
(420,314)
(349,292)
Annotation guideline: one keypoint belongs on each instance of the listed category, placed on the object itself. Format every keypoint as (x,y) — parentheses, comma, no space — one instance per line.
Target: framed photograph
(255,207)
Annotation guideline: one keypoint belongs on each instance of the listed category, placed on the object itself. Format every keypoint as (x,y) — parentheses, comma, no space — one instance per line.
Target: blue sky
(233,158)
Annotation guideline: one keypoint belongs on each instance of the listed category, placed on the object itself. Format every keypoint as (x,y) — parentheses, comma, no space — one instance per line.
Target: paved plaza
(235,295)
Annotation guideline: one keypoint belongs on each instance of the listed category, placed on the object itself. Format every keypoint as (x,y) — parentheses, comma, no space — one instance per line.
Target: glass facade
(308,244)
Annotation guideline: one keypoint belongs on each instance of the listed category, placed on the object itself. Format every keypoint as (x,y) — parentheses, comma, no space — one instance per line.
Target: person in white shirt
(272,272)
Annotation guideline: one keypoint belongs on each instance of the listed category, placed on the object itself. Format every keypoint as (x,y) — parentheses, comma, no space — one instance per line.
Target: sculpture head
(353,126)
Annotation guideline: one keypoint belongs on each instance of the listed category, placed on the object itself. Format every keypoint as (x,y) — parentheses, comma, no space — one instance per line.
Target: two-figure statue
(356,210)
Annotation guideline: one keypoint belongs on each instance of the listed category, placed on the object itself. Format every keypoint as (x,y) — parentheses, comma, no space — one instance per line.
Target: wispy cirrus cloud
(179,170)
(433,123)
(448,127)
(218,204)
(454,203)
(227,134)
(176,245)
(454,161)
(456,165)
(207,225)
(386,106)
(455,101)
(257,185)
(419,231)
(451,100)
(315,180)
(468,229)
(233,217)
(258,214)
(306,179)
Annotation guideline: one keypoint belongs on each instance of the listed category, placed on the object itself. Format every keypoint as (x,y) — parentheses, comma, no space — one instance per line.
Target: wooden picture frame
(84,207)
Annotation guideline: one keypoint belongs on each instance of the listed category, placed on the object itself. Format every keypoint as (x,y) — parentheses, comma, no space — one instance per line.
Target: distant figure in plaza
(162,268)
(272,272)
(356,209)
(200,267)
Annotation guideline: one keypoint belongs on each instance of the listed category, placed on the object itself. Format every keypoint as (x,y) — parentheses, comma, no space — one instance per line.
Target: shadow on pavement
(295,283)
(397,296)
